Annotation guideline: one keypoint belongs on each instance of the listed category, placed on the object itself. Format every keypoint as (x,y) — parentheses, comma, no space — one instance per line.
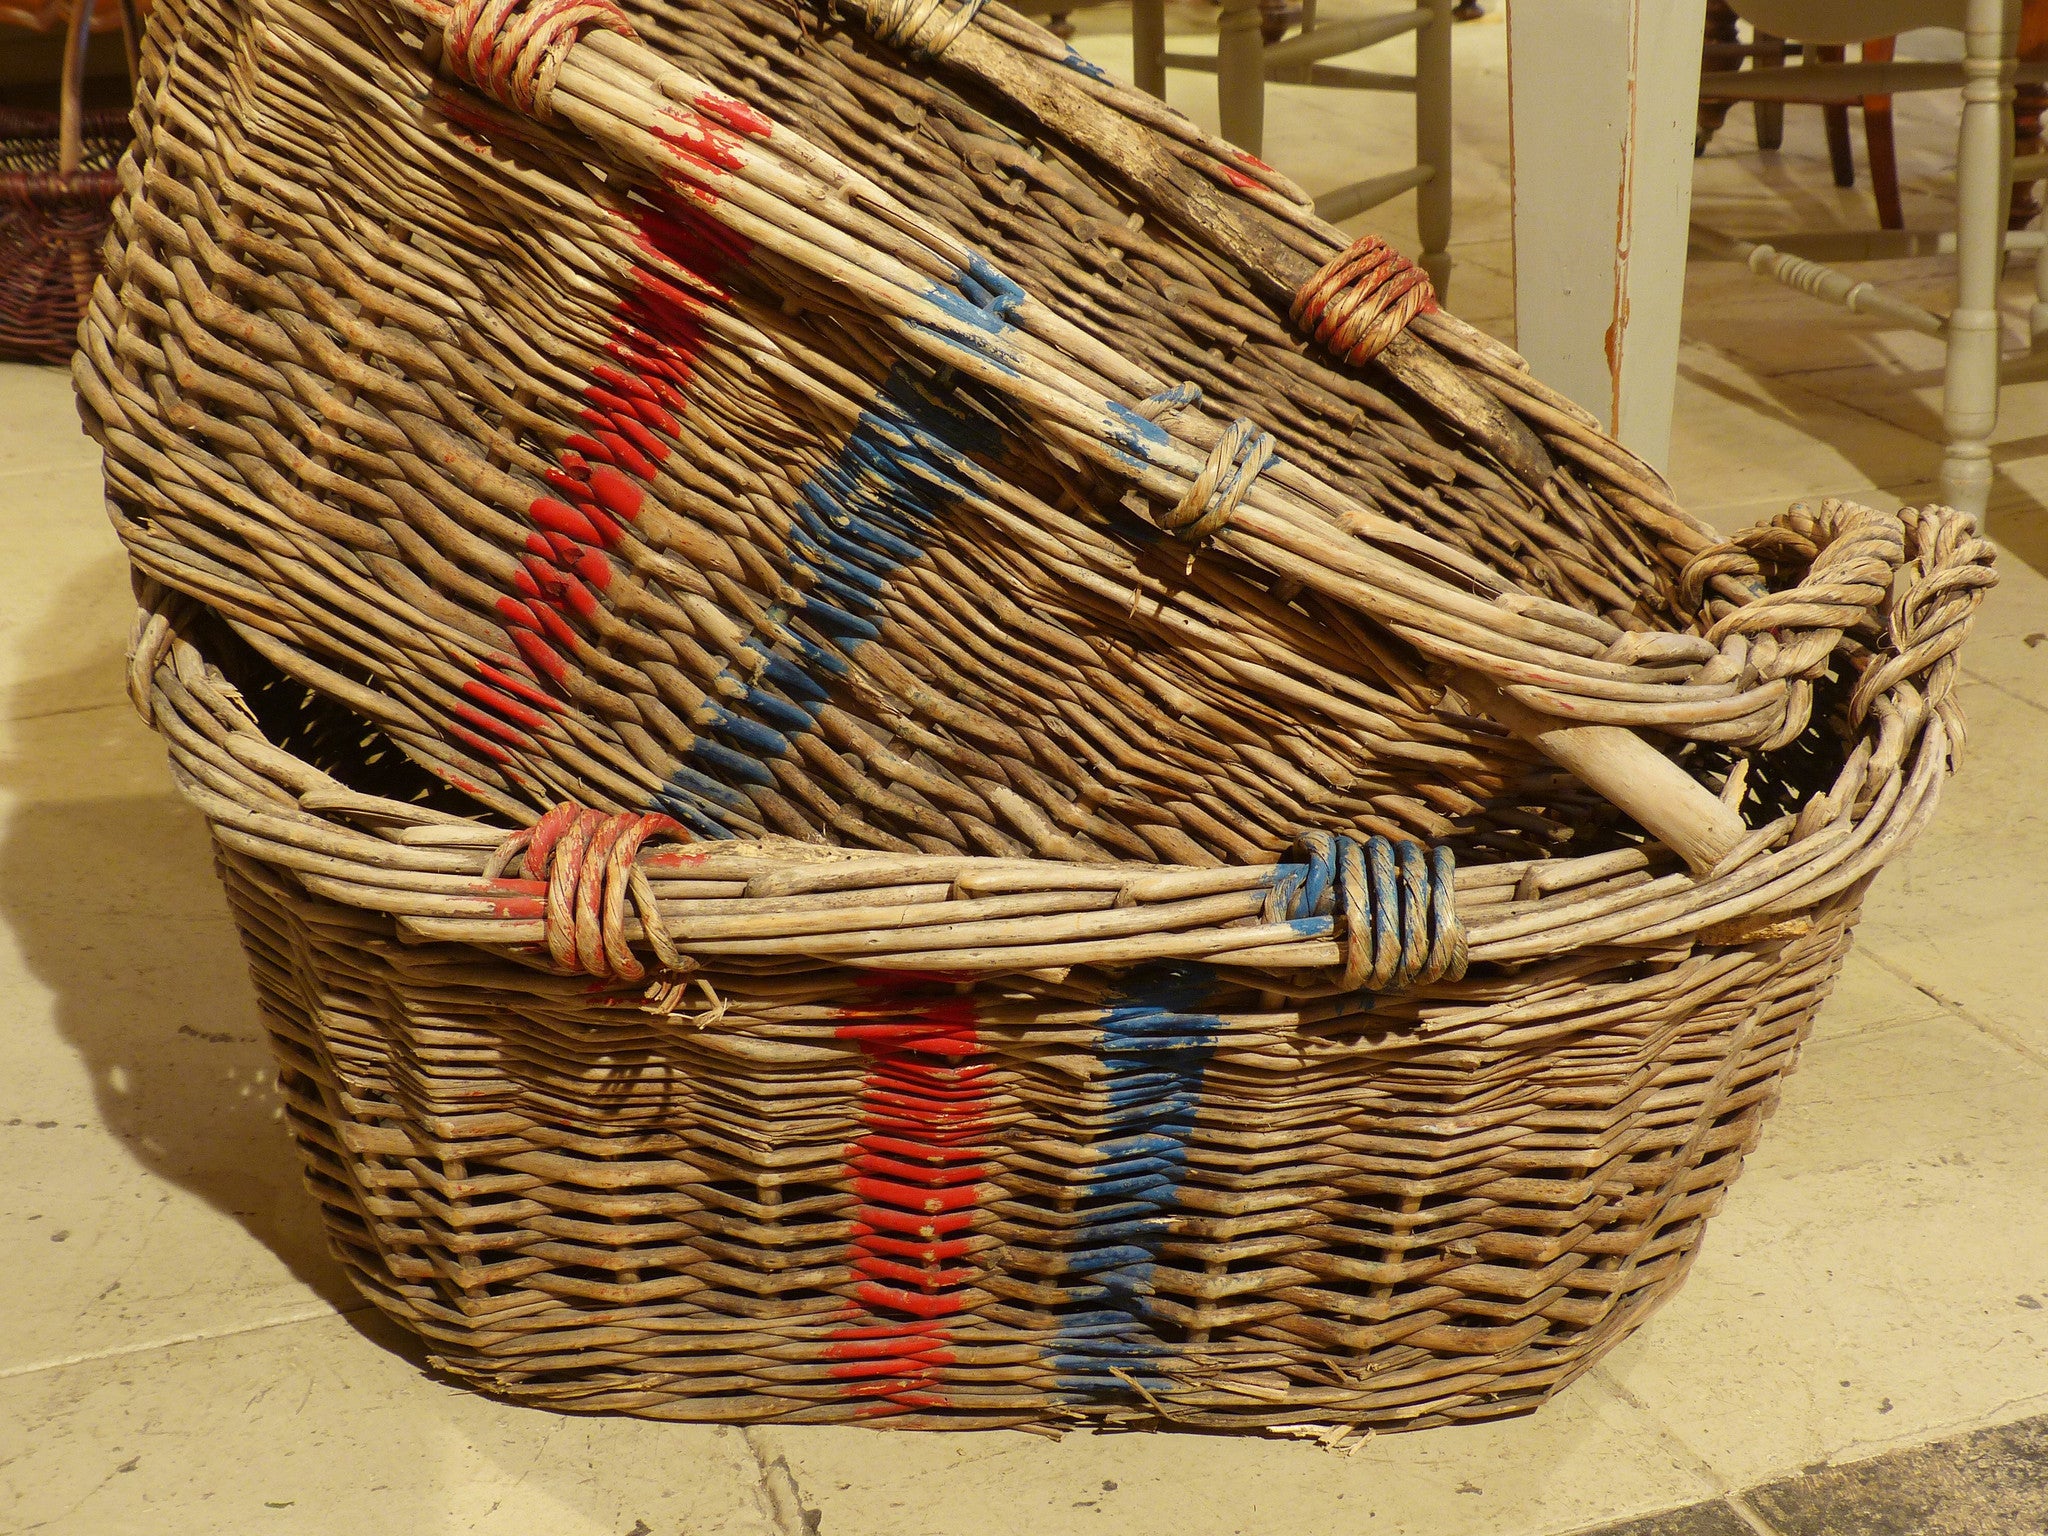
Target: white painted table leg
(1969,397)
(2037,315)
(1602,100)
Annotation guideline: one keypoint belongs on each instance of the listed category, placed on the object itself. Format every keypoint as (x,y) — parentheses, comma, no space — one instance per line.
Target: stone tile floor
(1862,1348)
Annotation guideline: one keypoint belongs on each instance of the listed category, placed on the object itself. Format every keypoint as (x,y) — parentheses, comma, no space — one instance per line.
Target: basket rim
(426,869)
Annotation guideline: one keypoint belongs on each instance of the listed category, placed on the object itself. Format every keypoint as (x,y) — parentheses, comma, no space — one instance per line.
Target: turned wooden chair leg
(1770,115)
(1879,144)
(1841,158)
(1969,402)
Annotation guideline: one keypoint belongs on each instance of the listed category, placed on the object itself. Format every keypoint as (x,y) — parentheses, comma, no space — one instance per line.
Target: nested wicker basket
(892,744)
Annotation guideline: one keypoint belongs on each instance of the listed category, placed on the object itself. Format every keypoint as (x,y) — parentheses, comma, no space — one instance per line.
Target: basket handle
(71,101)
(1625,770)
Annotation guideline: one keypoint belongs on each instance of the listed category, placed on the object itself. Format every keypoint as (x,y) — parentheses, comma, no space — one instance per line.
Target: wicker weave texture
(677,491)
(1062,584)
(52,225)
(785,1187)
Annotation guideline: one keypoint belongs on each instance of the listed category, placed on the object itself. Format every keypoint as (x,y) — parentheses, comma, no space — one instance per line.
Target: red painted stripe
(493,671)
(697,140)
(632,402)
(618,494)
(919,1169)
(736,115)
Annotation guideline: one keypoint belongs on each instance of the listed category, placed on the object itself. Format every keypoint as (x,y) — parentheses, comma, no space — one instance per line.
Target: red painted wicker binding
(1360,300)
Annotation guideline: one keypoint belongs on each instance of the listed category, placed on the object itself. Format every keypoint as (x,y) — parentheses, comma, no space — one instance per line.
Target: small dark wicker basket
(57,186)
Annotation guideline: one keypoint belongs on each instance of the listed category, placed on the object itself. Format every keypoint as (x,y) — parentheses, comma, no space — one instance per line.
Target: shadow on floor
(108,889)
(2011,518)
(114,905)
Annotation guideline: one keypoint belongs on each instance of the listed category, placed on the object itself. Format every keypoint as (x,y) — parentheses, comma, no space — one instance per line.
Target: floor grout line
(1697,1464)
(1999,1032)
(198,1336)
(2000,688)
(70,709)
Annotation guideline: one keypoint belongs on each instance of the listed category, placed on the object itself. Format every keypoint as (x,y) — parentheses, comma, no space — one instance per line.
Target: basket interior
(325,733)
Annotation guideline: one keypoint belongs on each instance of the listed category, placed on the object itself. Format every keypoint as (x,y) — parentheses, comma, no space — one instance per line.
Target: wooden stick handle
(1672,806)
(71,104)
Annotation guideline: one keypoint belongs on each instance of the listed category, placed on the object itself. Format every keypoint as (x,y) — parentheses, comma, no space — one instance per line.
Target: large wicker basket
(821,841)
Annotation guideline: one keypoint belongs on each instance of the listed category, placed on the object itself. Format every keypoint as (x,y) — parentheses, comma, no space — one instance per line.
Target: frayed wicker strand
(1359,301)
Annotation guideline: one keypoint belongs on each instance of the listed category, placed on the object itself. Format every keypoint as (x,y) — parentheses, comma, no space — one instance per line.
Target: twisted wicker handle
(1906,582)
(1910,582)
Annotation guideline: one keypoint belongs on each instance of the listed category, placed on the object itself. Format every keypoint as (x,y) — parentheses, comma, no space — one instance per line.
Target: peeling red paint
(698,141)
(734,114)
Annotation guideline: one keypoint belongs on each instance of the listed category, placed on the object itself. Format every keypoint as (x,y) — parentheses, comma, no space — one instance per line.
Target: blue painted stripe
(1156,1045)
(856,521)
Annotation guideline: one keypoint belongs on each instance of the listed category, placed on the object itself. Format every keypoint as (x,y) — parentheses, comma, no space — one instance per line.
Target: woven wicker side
(52,224)
(743,483)
(783,1188)
(600,1210)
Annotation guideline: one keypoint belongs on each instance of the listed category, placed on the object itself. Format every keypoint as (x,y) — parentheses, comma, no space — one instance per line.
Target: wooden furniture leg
(1770,115)
(1969,403)
(1148,46)
(2028,108)
(2028,104)
(1879,143)
(1241,75)
(1722,23)
(1841,158)
(1433,143)
(1604,98)
(2037,314)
